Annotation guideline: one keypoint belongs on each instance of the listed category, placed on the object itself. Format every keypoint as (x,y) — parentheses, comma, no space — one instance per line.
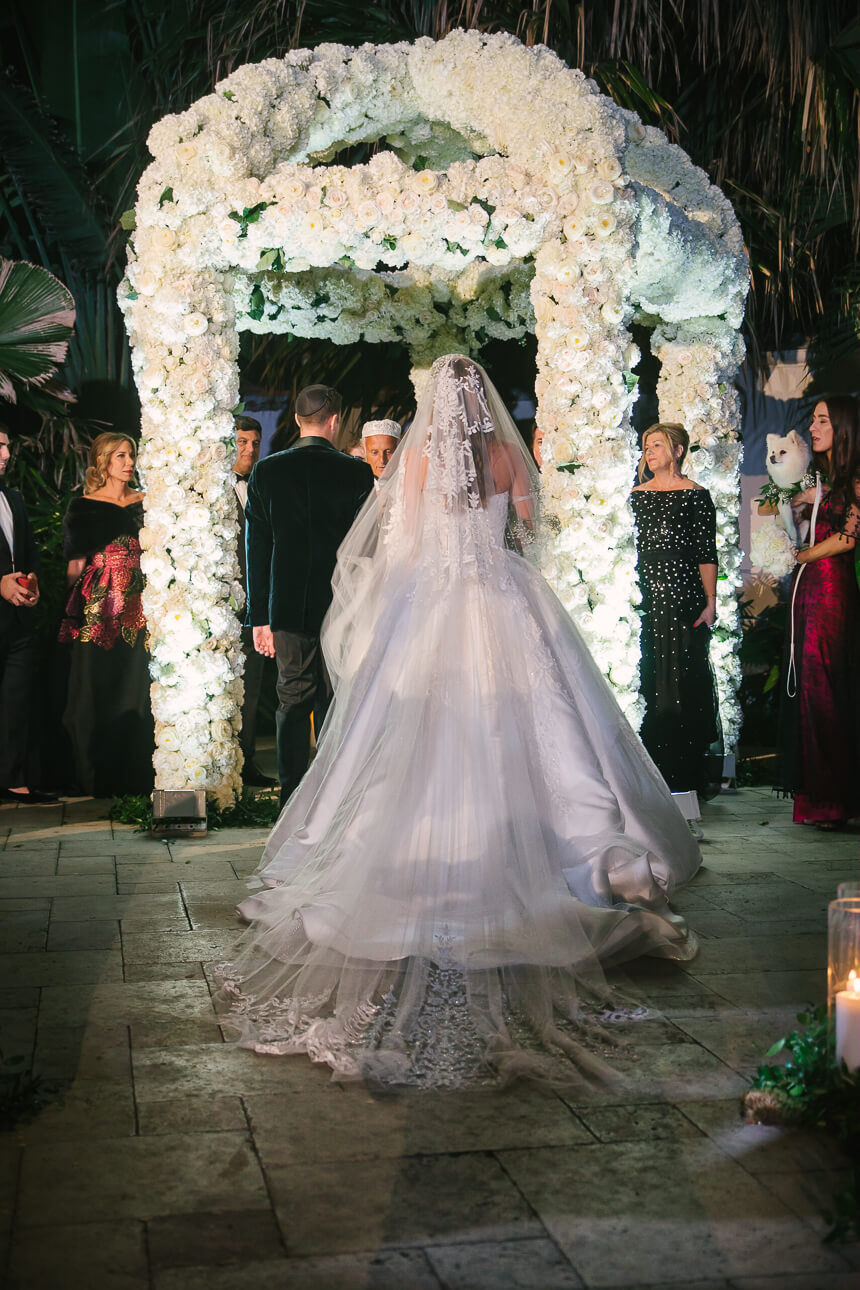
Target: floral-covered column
(184,351)
(585,393)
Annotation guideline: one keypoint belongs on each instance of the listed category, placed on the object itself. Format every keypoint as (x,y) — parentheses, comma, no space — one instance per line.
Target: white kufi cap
(392,428)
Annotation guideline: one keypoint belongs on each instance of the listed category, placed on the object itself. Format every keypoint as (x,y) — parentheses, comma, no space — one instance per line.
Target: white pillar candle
(848,1023)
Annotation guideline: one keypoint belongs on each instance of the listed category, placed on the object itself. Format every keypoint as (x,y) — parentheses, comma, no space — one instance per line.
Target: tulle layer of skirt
(479,834)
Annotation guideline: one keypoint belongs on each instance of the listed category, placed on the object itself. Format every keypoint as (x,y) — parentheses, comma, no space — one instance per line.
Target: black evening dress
(675,533)
(107,711)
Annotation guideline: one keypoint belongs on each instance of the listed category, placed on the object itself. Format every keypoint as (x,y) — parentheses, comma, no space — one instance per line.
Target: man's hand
(12,590)
(264,641)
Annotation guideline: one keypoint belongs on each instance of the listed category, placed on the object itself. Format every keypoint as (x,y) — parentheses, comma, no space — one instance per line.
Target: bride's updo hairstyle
(102,449)
(673,435)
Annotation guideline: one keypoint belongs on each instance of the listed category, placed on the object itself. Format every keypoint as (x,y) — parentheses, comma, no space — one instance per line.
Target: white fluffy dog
(787,464)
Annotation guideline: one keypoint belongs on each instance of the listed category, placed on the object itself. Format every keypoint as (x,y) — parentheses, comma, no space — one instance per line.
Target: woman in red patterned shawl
(820,718)
(107,712)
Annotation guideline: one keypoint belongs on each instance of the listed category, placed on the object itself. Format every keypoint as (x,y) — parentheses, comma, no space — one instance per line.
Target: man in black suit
(249,436)
(19,594)
(301,504)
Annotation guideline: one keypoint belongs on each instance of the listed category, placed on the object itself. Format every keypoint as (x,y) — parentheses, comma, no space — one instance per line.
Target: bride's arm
(519,485)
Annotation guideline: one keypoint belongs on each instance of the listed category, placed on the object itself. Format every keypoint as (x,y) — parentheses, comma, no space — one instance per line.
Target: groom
(301,504)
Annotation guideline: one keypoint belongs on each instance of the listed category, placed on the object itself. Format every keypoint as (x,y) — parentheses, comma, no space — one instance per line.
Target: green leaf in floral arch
(272,259)
(229,95)
(128,221)
(166,196)
(258,303)
(37,315)
(249,215)
(631,380)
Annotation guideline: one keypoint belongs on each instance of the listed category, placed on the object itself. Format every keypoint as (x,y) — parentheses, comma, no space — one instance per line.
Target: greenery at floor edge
(812,1091)
(252,809)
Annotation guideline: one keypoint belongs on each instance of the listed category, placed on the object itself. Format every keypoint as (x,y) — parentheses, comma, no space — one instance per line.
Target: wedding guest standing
(379,439)
(537,446)
(677,566)
(249,436)
(19,595)
(107,712)
(301,504)
(820,716)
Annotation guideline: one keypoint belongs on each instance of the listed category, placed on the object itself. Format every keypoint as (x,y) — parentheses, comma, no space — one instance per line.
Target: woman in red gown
(820,734)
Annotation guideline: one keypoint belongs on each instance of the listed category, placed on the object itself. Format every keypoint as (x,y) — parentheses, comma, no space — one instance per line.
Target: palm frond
(37,314)
(48,177)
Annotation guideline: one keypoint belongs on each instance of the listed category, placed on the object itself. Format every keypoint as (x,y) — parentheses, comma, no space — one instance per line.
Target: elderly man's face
(247,451)
(378,451)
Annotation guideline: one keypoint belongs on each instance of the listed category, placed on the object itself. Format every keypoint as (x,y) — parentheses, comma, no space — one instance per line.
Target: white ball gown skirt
(479,831)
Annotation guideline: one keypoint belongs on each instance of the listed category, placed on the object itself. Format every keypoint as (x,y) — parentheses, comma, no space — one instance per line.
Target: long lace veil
(459,485)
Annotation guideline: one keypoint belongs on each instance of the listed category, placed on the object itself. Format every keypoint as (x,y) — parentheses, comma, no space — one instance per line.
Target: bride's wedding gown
(481,828)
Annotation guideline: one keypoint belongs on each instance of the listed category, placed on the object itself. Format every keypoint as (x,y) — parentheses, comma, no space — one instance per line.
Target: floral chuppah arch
(511,196)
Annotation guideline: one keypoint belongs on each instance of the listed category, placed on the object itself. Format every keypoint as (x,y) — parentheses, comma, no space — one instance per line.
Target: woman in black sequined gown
(676,542)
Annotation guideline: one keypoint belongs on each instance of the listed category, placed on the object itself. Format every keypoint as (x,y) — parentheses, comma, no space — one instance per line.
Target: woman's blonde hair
(673,434)
(102,449)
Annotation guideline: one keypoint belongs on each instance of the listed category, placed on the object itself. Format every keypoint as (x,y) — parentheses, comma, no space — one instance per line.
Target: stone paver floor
(175,1161)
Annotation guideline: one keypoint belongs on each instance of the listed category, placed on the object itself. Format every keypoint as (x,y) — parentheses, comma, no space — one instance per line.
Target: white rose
(195,324)
(601,193)
(568,272)
(368,213)
(560,167)
(426,181)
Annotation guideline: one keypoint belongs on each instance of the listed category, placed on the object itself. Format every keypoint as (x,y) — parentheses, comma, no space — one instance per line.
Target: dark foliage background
(763,94)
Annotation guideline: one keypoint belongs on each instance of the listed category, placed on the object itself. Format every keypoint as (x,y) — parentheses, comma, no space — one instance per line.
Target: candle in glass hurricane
(848,1024)
(843,977)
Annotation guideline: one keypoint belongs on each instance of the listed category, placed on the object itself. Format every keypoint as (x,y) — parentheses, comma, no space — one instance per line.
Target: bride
(481,829)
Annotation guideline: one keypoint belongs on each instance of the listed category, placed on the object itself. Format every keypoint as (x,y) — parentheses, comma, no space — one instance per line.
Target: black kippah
(312,399)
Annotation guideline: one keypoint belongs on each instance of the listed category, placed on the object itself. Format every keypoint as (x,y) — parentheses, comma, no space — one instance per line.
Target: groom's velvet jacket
(301,505)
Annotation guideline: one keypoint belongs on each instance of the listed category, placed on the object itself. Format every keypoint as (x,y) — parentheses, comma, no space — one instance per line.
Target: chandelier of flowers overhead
(508,196)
